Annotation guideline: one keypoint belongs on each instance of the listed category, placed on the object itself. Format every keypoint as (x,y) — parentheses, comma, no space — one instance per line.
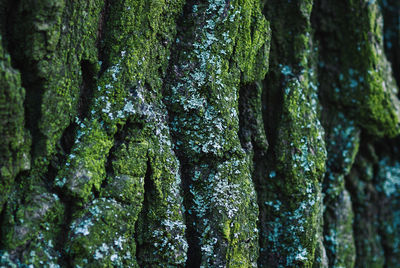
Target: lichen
(101,235)
(149,133)
(389,187)
(366,208)
(31,229)
(227,46)
(291,189)
(338,233)
(127,104)
(363,83)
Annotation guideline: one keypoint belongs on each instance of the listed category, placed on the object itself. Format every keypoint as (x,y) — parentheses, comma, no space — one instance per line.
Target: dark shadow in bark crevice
(62,237)
(141,222)
(185,34)
(89,79)
(2,219)
(33,84)
(253,140)
(391,25)
(104,17)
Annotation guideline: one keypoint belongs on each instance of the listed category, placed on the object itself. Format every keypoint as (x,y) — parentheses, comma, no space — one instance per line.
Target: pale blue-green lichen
(292,191)
(49,63)
(101,234)
(366,208)
(31,229)
(389,176)
(67,62)
(363,83)
(122,166)
(338,231)
(227,47)
(343,139)
(389,186)
(127,103)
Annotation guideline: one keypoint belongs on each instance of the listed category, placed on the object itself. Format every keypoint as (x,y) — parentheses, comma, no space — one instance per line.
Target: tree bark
(209,133)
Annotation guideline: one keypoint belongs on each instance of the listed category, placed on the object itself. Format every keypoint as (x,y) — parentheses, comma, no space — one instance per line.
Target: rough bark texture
(209,133)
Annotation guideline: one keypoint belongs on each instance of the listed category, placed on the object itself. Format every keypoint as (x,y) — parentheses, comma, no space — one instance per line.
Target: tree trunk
(210,133)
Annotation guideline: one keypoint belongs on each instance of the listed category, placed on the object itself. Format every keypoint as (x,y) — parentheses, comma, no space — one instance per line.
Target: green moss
(338,237)
(127,113)
(101,235)
(388,186)
(30,231)
(64,70)
(161,228)
(14,148)
(366,208)
(129,168)
(362,84)
(392,34)
(224,45)
(48,45)
(143,184)
(120,93)
(68,57)
(104,89)
(358,93)
(35,39)
(296,158)
(343,139)
(85,169)
(47,41)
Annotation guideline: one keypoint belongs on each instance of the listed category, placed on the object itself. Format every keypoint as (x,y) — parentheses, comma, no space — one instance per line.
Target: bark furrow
(199,133)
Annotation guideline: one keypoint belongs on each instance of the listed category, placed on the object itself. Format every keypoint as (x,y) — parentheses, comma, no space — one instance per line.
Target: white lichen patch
(389,176)
(82,226)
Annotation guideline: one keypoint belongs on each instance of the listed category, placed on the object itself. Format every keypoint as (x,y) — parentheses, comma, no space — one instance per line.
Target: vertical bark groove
(210,133)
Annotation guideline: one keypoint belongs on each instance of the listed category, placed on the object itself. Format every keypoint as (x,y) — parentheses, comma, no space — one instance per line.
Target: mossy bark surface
(199,133)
